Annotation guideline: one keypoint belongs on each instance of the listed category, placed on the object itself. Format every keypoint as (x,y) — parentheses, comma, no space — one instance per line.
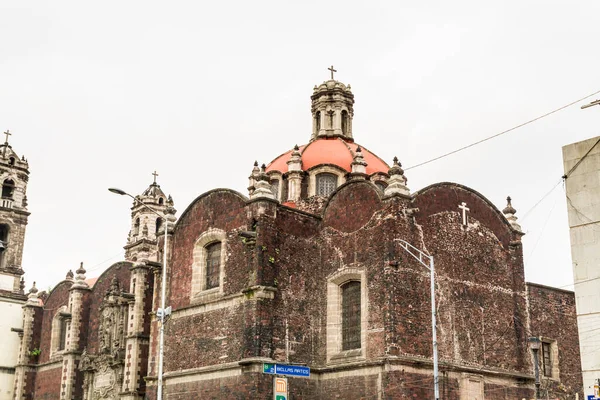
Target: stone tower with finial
(14,175)
(332,109)
(146,223)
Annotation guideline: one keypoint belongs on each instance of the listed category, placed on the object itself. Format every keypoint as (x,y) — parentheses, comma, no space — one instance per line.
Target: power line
(501,133)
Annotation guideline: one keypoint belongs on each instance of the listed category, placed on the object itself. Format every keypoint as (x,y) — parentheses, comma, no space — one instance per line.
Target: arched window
(8,188)
(326,184)
(136,227)
(11,161)
(344,122)
(275,188)
(351,316)
(213,265)
(208,267)
(60,330)
(318,121)
(158,224)
(161,201)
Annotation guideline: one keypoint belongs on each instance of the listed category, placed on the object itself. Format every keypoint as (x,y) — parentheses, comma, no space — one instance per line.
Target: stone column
(137,335)
(23,369)
(73,345)
(294,175)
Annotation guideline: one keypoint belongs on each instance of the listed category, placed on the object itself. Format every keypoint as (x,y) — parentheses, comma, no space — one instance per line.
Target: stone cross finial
(464,208)
(155,175)
(7,133)
(332,71)
(70,275)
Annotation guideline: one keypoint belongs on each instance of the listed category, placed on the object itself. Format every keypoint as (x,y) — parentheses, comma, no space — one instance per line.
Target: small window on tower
(161,201)
(326,184)
(8,188)
(158,224)
(11,161)
(344,122)
(318,121)
(136,227)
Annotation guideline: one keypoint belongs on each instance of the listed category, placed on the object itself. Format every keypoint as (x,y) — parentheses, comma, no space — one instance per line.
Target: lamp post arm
(421,257)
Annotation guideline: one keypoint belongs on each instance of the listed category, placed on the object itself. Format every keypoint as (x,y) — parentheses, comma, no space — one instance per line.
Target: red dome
(334,151)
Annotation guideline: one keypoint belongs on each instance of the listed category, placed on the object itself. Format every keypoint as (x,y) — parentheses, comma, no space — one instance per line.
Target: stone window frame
(324,169)
(198,286)
(334,315)
(61,318)
(276,176)
(555,371)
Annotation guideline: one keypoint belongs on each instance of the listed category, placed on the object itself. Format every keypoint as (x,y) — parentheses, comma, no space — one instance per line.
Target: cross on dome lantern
(332,71)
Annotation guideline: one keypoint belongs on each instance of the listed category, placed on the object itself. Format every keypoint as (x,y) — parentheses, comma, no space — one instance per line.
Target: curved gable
(352,206)
(120,271)
(447,196)
(204,197)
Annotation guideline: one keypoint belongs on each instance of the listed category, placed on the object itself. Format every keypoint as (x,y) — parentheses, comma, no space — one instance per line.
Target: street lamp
(162,312)
(427,261)
(593,103)
(535,344)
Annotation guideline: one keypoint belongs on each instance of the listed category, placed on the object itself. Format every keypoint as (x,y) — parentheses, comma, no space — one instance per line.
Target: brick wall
(553,318)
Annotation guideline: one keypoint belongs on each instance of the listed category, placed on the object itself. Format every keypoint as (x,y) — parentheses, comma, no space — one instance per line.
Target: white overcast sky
(101,94)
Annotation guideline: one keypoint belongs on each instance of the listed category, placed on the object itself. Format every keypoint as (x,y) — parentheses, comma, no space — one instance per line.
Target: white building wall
(11,313)
(583,204)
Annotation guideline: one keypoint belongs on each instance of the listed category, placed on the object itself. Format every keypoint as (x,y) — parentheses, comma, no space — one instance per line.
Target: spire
(253,178)
(262,186)
(509,212)
(80,277)
(32,297)
(397,181)
(359,165)
(332,109)
(295,161)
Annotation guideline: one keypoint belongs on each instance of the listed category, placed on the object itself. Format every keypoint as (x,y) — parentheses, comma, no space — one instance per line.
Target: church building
(324,264)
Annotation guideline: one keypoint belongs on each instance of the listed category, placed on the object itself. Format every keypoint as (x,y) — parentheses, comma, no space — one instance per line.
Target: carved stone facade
(309,270)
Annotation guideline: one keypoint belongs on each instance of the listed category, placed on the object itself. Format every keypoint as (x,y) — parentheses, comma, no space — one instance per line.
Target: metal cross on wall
(332,71)
(464,208)
(155,175)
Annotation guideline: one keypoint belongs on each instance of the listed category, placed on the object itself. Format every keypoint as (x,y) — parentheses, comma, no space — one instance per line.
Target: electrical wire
(501,133)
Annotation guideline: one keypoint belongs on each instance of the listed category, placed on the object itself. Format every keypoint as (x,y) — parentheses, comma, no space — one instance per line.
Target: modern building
(310,269)
(582,181)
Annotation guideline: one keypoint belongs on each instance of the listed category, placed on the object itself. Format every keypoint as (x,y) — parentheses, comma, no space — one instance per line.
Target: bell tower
(332,109)
(14,175)
(146,225)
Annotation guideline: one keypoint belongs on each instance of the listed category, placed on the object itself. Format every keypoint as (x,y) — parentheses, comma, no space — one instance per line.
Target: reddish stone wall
(58,297)
(552,315)
(243,387)
(221,208)
(48,384)
(94,300)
